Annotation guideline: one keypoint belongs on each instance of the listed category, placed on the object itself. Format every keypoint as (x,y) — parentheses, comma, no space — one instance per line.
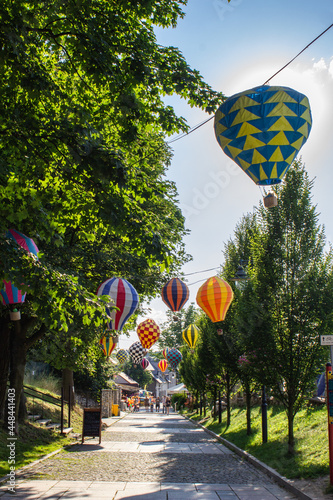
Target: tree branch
(37,335)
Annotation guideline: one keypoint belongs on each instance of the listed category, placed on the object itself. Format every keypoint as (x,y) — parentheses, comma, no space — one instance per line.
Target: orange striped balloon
(163,365)
(175,294)
(214,298)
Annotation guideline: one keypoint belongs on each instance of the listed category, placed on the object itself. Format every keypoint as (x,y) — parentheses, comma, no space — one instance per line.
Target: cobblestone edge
(4,479)
(272,473)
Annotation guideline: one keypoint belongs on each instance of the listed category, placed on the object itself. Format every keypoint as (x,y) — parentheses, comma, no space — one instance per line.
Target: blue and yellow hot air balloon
(191,335)
(122,355)
(214,298)
(263,129)
(175,294)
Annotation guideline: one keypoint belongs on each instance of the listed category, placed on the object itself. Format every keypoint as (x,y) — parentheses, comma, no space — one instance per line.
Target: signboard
(92,423)
(326,339)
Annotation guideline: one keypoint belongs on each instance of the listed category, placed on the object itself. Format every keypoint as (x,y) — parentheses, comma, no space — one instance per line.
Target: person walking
(146,403)
(157,404)
(152,404)
(167,405)
(163,404)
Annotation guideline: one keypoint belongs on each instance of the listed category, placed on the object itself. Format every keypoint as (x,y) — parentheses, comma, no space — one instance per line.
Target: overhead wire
(204,271)
(196,127)
(293,59)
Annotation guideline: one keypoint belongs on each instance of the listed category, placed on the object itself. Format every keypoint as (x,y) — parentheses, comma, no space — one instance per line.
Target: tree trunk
(68,385)
(17,364)
(19,346)
(228,400)
(248,409)
(214,405)
(4,363)
(204,403)
(291,438)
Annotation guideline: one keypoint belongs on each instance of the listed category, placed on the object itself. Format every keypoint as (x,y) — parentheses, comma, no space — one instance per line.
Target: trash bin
(115,410)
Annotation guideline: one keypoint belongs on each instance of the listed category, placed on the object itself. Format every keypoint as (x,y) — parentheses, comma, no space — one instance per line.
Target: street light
(240,278)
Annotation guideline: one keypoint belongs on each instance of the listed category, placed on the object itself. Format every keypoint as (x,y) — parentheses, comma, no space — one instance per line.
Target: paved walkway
(147,456)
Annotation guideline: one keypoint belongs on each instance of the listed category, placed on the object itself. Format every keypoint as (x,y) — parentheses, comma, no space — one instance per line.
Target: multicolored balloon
(107,344)
(174,357)
(191,335)
(145,363)
(214,298)
(165,352)
(137,352)
(263,129)
(122,355)
(163,365)
(175,294)
(124,296)
(10,294)
(148,332)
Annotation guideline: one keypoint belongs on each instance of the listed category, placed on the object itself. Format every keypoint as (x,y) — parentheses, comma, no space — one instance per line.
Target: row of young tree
(271,334)
(83,158)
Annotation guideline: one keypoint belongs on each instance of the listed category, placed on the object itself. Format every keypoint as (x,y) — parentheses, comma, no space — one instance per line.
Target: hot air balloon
(107,344)
(214,298)
(10,294)
(123,296)
(137,352)
(165,352)
(263,129)
(175,293)
(191,335)
(148,332)
(122,355)
(174,357)
(145,363)
(163,365)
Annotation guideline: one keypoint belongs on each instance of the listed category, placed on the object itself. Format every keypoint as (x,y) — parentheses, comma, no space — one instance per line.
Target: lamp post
(240,278)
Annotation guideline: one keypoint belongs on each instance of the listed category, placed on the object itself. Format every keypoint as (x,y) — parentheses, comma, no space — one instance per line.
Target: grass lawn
(34,440)
(311,434)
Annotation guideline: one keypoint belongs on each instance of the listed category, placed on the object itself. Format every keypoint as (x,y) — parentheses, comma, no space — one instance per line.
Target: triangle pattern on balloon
(281,123)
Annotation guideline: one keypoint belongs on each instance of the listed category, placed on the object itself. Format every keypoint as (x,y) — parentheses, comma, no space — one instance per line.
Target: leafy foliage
(83,156)
(172,329)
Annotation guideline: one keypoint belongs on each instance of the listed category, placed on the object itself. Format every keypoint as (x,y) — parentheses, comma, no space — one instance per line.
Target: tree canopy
(83,152)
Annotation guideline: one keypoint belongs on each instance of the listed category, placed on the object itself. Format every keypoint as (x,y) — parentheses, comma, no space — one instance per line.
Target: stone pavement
(148,456)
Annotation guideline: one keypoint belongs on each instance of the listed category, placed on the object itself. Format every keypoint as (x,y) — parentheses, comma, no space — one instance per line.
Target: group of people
(133,403)
(150,402)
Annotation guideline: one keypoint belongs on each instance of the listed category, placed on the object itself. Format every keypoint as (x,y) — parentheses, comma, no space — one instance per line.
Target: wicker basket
(15,315)
(270,200)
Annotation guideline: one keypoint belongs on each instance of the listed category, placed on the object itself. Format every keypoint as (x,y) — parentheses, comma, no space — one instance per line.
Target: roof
(122,378)
(158,380)
(177,389)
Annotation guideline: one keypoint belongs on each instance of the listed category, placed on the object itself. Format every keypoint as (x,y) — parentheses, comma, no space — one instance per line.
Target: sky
(237,46)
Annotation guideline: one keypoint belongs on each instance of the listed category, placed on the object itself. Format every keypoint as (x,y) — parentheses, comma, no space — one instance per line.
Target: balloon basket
(270,200)
(15,315)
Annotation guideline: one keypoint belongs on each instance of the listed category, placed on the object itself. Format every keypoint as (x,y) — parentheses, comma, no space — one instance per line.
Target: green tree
(172,329)
(83,155)
(235,332)
(291,300)
(136,372)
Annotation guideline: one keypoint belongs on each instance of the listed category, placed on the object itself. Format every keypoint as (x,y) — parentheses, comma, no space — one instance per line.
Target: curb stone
(272,473)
